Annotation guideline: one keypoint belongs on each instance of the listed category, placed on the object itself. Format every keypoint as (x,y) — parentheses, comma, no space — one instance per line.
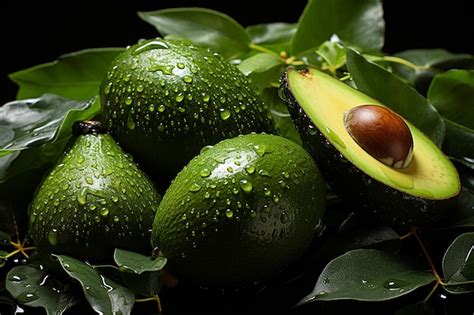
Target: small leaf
(203,27)
(76,75)
(137,263)
(283,123)
(263,69)
(367,275)
(394,93)
(34,288)
(358,23)
(334,55)
(104,295)
(274,36)
(458,256)
(34,131)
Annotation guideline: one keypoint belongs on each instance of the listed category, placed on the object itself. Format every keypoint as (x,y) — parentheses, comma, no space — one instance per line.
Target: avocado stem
(263,49)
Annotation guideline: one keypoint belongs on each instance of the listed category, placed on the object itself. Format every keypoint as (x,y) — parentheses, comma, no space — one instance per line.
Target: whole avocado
(166,99)
(240,211)
(94,199)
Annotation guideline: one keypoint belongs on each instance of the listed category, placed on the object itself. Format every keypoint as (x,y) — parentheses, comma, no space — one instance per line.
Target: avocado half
(413,196)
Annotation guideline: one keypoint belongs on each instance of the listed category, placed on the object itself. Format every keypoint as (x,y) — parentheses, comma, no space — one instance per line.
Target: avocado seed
(382,133)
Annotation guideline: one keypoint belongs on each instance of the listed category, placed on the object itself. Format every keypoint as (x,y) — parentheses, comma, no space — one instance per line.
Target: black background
(34,32)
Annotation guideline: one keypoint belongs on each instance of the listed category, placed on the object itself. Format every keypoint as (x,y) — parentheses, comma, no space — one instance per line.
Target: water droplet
(27,297)
(235,190)
(267,192)
(104,212)
(128,100)
(263,172)
(205,172)
(394,284)
(187,79)
(222,99)
(161,108)
(230,169)
(260,150)
(180,65)
(53,237)
(140,88)
(130,123)
(82,195)
(89,180)
(151,108)
(107,88)
(250,169)
(206,98)
(285,174)
(229,213)
(194,188)
(276,199)
(224,113)
(179,98)
(246,185)
(116,219)
(312,130)
(284,217)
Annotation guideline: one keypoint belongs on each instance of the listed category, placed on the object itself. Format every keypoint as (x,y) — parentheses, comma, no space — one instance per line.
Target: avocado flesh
(166,99)
(317,103)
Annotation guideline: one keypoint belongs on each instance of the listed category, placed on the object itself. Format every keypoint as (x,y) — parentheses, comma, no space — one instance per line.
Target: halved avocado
(411,196)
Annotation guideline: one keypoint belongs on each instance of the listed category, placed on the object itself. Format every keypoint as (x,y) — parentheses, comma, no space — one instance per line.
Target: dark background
(34,32)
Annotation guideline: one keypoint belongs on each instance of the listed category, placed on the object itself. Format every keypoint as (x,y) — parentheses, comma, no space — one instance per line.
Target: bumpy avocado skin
(95,199)
(241,211)
(166,99)
(388,205)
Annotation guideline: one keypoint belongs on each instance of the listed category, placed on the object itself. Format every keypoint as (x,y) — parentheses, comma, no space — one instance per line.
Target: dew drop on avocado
(394,284)
(263,172)
(155,44)
(104,212)
(250,169)
(195,187)
(187,79)
(206,98)
(161,108)
(180,65)
(312,130)
(267,192)
(82,195)
(128,100)
(205,172)
(229,213)
(130,123)
(230,169)
(140,88)
(53,237)
(246,185)
(224,113)
(260,150)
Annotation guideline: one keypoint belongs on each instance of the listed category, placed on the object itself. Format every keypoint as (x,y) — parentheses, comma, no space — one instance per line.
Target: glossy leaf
(5,238)
(333,54)
(34,131)
(262,69)
(274,36)
(137,263)
(394,93)
(459,143)
(104,295)
(203,27)
(283,123)
(32,287)
(145,284)
(358,23)
(452,93)
(367,275)
(458,264)
(76,75)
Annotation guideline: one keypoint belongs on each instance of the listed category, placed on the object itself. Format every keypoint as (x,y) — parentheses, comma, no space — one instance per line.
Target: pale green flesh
(324,99)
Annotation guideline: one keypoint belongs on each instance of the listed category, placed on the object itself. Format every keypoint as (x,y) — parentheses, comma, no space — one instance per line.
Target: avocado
(94,199)
(412,195)
(166,99)
(240,211)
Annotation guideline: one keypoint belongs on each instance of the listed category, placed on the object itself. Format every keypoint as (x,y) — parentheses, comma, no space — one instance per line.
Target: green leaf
(34,288)
(145,284)
(76,75)
(356,22)
(333,54)
(104,295)
(452,93)
(367,275)
(274,36)
(34,131)
(283,123)
(394,93)
(203,27)
(379,237)
(459,143)
(137,263)
(458,264)
(263,69)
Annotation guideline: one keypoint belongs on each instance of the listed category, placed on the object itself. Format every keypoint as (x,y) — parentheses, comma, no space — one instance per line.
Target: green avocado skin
(384,203)
(166,99)
(94,200)
(240,211)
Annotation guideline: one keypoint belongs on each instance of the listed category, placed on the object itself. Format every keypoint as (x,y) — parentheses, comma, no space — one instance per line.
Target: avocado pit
(382,133)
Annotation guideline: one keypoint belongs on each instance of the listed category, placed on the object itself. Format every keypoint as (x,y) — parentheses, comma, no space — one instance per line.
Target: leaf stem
(152,298)
(263,49)
(400,61)
(406,235)
(427,256)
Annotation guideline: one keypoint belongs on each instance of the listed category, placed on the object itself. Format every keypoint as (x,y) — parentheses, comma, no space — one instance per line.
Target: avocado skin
(207,246)
(176,98)
(67,213)
(388,205)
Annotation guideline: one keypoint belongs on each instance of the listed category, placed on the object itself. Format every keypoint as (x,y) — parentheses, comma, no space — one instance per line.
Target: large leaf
(201,26)
(333,54)
(137,263)
(262,69)
(104,295)
(34,131)
(452,93)
(391,91)
(274,36)
(367,275)
(76,75)
(459,143)
(458,264)
(356,22)
(31,287)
